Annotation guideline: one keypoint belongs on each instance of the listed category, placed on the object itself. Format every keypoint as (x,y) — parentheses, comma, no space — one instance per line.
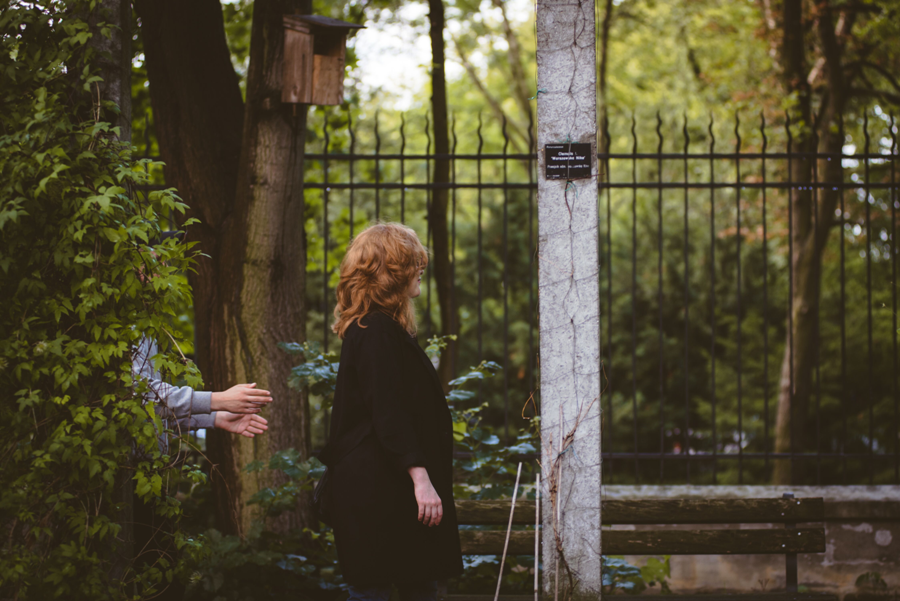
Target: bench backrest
(780,540)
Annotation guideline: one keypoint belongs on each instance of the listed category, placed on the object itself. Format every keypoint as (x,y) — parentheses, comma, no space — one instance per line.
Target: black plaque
(567,161)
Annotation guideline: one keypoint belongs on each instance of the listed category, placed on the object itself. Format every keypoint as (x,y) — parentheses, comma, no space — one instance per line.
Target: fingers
(431,513)
(437,513)
(257,428)
(259,422)
(247,399)
(252,396)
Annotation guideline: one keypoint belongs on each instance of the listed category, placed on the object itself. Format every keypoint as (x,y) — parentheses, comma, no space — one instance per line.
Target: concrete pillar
(569,303)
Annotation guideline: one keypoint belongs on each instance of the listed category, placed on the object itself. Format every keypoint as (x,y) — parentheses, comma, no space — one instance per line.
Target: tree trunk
(437,215)
(796,369)
(240,170)
(604,63)
(520,80)
(266,252)
(520,138)
(812,220)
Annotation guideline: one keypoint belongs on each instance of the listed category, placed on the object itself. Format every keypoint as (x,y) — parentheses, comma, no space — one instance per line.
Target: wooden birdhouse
(314,50)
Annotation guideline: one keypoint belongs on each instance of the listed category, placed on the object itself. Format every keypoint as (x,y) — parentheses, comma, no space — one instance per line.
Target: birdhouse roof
(319,21)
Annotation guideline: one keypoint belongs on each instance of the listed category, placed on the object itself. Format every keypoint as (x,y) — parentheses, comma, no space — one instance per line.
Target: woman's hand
(245,425)
(243,398)
(431,511)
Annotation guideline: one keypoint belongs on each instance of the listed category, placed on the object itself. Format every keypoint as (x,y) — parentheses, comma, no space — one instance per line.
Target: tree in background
(437,213)
(834,59)
(239,166)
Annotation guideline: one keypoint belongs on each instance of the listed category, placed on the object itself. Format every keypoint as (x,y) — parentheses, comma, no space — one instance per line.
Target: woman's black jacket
(387,379)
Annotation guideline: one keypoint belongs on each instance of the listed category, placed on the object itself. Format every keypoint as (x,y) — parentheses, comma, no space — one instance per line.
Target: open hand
(245,425)
(242,398)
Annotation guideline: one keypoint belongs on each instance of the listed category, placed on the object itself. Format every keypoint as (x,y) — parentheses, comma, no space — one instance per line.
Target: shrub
(79,286)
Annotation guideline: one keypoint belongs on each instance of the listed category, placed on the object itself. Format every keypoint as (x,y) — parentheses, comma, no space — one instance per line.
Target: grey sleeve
(171,401)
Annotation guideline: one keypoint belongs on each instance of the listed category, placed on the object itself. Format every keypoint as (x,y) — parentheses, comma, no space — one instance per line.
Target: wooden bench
(786,539)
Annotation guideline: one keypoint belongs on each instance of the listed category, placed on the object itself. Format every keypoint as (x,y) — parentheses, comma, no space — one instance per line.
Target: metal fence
(852,423)
(696,281)
(695,284)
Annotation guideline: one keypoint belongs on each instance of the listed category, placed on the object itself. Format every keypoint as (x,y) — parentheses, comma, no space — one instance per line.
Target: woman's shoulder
(372,324)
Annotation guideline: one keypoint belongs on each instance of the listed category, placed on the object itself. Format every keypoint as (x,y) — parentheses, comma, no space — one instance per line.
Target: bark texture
(812,216)
(604,62)
(240,169)
(794,387)
(437,214)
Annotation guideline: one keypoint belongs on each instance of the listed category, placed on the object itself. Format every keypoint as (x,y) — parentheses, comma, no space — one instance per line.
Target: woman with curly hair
(390,452)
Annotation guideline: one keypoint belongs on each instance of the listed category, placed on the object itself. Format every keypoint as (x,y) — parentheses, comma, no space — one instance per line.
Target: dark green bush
(79,286)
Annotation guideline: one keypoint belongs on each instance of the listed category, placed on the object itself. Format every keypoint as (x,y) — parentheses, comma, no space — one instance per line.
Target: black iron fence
(721,323)
(696,282)
(696,236)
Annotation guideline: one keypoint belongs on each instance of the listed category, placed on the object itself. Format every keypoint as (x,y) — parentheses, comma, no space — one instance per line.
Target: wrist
(217,419)
(419,476)
(215,401)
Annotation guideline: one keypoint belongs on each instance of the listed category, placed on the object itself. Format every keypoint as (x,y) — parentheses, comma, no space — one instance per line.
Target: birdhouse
(314,50)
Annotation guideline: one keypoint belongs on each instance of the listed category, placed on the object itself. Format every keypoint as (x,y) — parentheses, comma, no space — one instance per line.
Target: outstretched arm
(183,402)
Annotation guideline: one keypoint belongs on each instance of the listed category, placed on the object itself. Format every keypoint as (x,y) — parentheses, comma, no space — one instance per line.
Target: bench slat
(712,542)
(713,511)
(482,513)
(662,542)
(490,542)
(661,511)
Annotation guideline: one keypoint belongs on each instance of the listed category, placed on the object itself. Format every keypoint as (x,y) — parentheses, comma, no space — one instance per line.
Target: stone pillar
(569,304)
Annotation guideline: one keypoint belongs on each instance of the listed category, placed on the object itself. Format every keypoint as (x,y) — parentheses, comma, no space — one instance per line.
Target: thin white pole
(512,510)
(537,532)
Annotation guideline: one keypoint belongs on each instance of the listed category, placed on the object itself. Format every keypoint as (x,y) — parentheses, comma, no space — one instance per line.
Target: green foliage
(264,564)
(300,474)
(621,576)
(437,345)
(81,281)
(318,371)
(480,576)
